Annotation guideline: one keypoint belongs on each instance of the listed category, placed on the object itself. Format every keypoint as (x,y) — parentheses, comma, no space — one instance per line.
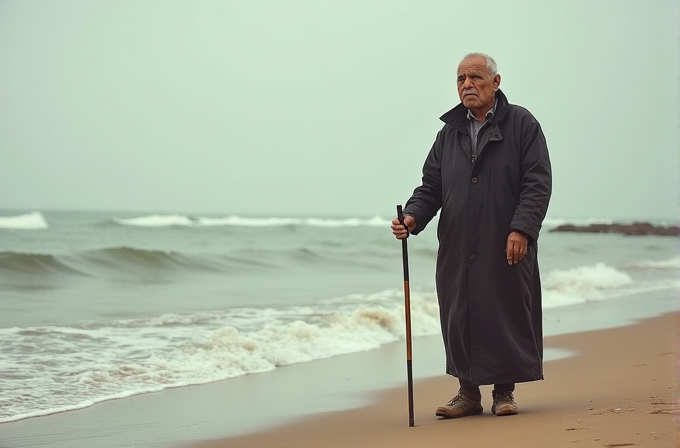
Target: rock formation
(636,228)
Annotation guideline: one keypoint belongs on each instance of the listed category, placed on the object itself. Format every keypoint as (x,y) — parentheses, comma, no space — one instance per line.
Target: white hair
(490,63)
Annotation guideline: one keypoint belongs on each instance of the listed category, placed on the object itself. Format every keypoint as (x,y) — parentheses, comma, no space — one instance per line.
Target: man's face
(476,87)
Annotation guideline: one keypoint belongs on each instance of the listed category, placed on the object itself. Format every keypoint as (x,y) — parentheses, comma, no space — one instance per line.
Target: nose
(467,83)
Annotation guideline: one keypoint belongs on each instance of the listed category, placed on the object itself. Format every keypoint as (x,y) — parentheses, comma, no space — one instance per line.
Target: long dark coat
(490,311)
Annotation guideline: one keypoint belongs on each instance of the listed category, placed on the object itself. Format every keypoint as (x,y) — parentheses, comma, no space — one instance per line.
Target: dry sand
(618,390)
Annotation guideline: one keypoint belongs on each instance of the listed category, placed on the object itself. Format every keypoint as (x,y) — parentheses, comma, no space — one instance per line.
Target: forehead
(473,64)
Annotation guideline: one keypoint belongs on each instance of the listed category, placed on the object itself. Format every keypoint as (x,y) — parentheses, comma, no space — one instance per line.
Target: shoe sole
(444,413)
(505,410)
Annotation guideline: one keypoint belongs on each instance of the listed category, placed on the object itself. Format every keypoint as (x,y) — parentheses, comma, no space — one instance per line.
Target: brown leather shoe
(503,403)
(459,406)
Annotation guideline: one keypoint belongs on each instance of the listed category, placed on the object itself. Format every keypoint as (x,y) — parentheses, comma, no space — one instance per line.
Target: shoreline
(618,390)
(242,407)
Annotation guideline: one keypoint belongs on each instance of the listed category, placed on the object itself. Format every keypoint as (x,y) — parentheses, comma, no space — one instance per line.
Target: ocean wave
(27,221)
(94,362)
(21,263)
(671,263)
(129,263)
(587,279)
(156,221)
(564,287)
(100,262)
(239,221)
(130,259)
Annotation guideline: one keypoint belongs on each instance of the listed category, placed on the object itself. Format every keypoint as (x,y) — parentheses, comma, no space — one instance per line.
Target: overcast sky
(269,107)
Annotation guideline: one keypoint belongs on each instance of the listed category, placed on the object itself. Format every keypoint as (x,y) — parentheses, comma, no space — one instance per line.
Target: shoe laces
(455,399)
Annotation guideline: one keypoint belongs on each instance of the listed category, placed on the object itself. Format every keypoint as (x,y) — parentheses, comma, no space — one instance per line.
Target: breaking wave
(239,221)
(671,263)
(563,287)
(27,221)
(91,363)
(128,263)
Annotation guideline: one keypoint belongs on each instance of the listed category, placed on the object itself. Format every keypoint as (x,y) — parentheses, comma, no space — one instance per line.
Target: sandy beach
(618,390)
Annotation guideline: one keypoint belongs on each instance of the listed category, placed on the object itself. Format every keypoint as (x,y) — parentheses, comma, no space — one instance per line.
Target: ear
(496,82)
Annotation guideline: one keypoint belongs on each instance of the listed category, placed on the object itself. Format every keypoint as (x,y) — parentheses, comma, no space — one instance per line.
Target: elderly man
(489,173)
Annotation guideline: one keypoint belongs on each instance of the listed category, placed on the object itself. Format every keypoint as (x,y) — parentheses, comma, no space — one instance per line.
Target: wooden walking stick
(407,312)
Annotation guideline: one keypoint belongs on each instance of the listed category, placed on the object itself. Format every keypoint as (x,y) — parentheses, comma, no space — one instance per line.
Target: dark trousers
(472,392)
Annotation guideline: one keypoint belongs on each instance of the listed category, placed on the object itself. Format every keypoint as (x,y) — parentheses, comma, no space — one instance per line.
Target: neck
(479,115)
(480,112)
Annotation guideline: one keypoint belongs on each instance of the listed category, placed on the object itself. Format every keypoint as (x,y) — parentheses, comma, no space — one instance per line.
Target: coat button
(472,257)
(474,180)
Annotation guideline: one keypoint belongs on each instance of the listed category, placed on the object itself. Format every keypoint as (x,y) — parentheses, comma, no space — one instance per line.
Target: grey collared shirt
(475,126)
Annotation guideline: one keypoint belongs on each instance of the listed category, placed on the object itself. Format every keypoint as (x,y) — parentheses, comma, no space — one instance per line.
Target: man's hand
(399,230)
(515,248)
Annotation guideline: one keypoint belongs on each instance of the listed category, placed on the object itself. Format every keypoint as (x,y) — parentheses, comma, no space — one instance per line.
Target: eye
(461,78)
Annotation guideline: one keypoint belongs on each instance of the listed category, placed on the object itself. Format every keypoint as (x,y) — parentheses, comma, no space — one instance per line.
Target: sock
(504,387)
(470,390)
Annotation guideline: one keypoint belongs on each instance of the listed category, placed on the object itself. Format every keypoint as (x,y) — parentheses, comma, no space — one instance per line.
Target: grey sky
(324,107)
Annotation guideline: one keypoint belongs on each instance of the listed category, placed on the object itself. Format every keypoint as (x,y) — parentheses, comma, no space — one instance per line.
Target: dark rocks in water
(636,228)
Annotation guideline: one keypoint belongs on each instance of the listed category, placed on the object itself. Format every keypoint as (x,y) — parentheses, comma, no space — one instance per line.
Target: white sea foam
(671,263)
(240,221)
(248,222)
(156,221)
(311,222)
(587,278)
(376,221)
(562,287)
(95,362)
(28,221)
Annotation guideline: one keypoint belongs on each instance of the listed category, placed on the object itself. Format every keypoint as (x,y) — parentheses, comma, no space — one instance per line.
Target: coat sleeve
(426,199)
(536,180)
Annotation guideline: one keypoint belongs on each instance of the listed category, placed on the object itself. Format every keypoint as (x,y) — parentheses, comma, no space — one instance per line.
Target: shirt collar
(488,115)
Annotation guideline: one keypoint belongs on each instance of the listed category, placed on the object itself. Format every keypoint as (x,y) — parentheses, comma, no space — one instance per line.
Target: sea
(96,306)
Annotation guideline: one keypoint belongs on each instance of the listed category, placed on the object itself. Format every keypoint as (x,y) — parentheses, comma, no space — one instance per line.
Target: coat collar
(457,117)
